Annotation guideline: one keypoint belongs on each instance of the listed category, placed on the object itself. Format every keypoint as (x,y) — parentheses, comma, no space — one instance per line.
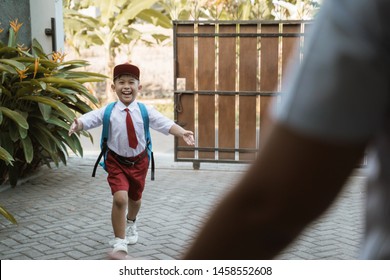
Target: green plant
(40,96)
(113,25)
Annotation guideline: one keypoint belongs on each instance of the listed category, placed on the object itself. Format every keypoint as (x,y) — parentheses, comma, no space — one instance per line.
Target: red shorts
(127,178)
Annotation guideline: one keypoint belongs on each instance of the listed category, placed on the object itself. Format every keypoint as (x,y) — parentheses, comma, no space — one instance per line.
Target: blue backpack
(104,138)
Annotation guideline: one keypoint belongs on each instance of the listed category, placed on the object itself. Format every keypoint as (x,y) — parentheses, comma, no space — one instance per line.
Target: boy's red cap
(126,68)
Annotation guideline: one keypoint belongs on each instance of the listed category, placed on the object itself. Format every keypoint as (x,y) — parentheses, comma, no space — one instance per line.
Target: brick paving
(64,214)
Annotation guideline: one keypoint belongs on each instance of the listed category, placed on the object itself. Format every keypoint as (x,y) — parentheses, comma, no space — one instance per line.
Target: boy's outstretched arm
(75,127)
(187,135)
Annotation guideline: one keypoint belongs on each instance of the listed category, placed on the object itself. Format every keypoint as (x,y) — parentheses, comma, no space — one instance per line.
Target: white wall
(41,12)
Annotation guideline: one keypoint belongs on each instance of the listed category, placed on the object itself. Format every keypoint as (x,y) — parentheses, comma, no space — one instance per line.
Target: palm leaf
(134,9)
(38,84)
(38,50)
(88,74)
(13,132)
(6,142)
(15,116)
(155,17)
(43,139)
(14,63)
(7,50)
(62,156)
(45,110)
(7,68)
(87,80)
(46,63)
(50,136)
(52,103)
(6,156)
(57,122)
(28,149)
(7,215)
(72,141)
(22,132)
(58,92)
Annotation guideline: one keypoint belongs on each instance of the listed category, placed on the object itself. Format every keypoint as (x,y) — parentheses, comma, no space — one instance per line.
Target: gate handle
(52,32)
(178,106)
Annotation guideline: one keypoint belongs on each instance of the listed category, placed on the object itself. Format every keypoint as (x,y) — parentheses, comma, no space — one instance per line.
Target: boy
(127,181)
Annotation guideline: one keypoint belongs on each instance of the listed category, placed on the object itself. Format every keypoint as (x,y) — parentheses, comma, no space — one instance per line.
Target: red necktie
(133,142)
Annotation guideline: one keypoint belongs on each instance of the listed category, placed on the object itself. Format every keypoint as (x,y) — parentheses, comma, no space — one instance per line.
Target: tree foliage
(111,24)
(239,9)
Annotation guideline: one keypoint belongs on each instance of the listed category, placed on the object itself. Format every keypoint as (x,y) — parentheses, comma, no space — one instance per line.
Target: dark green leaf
(156,18)
(59,123)
(28,149)
(7,68)
(6,156)
(14,63)
(52,103)
(45,110)
(7,215)
(37,49)
(43,138)
(15,116)
(13,132)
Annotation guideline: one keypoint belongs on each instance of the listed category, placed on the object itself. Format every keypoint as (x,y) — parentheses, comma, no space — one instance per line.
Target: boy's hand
(188,137)
(76,126)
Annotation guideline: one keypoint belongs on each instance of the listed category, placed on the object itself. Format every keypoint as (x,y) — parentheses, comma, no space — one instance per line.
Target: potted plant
(40,95)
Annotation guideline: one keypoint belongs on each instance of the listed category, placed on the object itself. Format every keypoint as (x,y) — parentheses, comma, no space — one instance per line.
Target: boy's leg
(137,176)
(131,229)
(118,220)
(118,213)
(133,209)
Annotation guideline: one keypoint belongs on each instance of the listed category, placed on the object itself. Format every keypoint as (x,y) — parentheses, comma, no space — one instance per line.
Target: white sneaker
(131,232)
(119,244)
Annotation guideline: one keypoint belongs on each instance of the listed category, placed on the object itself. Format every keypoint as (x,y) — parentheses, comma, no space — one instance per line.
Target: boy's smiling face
(126,88)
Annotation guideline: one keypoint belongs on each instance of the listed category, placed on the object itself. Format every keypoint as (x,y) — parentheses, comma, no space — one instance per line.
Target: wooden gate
(225,76)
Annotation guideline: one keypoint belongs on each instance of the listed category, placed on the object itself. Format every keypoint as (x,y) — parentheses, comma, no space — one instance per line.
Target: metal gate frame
(226,73)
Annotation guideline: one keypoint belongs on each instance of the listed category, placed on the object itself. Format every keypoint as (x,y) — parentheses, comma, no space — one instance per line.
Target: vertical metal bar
(185,70)
(206,81)
(227,82)
(269,70)
(247,81)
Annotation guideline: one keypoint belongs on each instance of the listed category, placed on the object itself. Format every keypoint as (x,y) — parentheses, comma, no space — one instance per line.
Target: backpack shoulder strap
(104,137)
(148,138)
(145,118)
(106,123)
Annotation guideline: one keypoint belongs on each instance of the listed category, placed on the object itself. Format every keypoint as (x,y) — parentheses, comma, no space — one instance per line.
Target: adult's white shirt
(342,93)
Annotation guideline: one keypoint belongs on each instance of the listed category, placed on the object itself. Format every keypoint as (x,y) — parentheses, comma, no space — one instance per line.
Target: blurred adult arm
(333,107)
(293,181)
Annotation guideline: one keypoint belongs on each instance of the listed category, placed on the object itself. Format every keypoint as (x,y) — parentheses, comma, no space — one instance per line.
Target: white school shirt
(342,92)
(117,139)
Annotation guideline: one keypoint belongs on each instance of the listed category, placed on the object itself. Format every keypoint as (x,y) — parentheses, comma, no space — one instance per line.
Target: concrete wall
(42,11)
(10,10)
(36,17)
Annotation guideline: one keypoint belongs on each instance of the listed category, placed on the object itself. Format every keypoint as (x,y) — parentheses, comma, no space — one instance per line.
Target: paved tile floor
(63,213)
